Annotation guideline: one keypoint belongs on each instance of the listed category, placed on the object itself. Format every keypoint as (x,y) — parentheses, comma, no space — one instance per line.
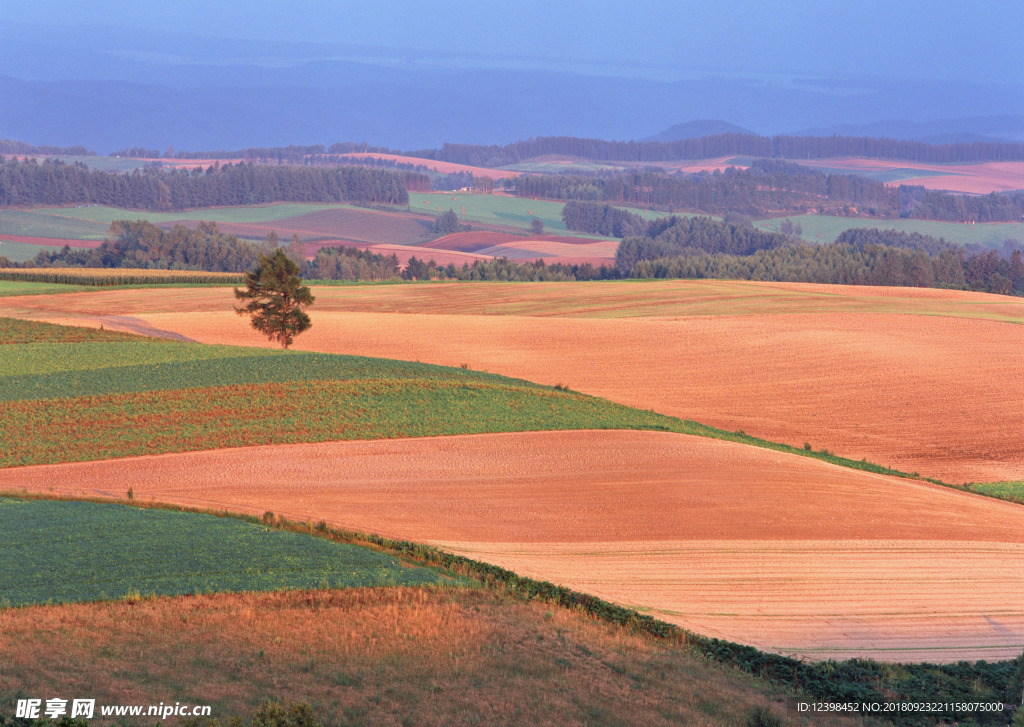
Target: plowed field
(980,178)
(780,551)
(922,380)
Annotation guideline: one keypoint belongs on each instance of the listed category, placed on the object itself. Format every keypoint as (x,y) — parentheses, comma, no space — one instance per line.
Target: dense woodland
(602,219)
(141,244)
(773,188)
(681,235)
(350,263)
(55,183)
(700,248)
(845,264)
(757,191)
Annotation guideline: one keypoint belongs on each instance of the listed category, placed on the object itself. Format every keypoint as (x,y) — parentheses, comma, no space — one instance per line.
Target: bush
(763,717)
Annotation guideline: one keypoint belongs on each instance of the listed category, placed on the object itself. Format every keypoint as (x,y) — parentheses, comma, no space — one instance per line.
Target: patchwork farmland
(861,372)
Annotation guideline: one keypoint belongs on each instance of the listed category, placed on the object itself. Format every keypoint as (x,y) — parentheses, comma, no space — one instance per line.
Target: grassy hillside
(395,656)
(58,551)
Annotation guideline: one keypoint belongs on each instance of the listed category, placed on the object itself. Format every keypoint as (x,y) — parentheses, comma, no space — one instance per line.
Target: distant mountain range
(106,90)
(1004,127)
(697,129)
(943,131)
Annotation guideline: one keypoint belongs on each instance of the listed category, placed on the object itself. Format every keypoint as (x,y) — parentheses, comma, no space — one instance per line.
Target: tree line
(708,147)
(602,219)
(20,148)
(705,248)
(754,192)
(56,183)
(771,188)
(141,244)
(636,152)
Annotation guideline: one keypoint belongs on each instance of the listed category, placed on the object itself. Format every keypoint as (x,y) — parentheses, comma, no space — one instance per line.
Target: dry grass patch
(373,656)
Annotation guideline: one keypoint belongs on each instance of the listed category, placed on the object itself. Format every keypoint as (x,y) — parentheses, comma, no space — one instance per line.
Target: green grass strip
(1013,491)
(63,551)
(124,425)
(15,331)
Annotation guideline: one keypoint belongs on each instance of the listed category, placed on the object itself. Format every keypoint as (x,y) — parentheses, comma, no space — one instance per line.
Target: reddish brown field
(922,380)
(55,241)
(472,241)
(355,225)
(780,551)
(478,241)
(442,167)
(441,257)
(549,249)
(981,178)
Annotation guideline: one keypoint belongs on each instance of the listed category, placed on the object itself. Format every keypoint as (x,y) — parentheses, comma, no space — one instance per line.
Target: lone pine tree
(276,298)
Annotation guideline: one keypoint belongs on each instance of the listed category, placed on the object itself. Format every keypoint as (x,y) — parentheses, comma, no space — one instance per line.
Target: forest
(56,183)
(770,188)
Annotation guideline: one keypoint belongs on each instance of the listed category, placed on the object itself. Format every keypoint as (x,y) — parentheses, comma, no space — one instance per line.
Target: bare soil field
(55,241)
(780,551)
(356,225)
(441,257)
(922,380)
(442,167)
(478,241)
(980,178)
(554,249)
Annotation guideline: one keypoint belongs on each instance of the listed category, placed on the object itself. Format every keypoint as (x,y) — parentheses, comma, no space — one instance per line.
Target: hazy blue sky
(894,38)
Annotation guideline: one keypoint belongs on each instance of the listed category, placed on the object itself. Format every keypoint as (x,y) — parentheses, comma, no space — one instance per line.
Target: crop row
(52,371)
(116,276)
(122,425)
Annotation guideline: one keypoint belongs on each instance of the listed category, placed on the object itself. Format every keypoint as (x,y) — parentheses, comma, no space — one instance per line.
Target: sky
(861,38)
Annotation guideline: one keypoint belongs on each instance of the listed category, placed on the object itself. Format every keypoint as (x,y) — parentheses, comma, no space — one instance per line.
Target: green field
(39,223)
(492,209)
(242,214)
(104,163)
(60,551)
(18,287)
(19,252)
(498,209)
(821,228)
